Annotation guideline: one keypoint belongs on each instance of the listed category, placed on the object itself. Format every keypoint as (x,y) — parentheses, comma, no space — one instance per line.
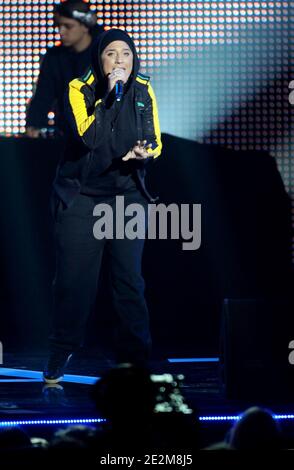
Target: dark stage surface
(25,398)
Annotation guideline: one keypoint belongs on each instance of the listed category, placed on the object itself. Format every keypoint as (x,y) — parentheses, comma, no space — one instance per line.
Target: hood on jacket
(99,44)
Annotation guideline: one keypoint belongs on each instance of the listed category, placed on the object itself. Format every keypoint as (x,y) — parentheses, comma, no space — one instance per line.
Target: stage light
(58,421)
(219,418)
(193,359)
(39,422)
(237,417)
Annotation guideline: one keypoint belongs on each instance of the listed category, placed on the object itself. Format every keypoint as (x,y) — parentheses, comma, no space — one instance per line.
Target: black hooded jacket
(104,130)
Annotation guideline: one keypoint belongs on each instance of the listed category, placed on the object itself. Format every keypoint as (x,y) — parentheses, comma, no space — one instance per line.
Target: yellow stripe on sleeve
(78,106)
(141,80)
(90,79)
(156,123)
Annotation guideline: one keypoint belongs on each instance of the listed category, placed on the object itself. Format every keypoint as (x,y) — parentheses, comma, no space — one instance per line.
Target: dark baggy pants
(78,262)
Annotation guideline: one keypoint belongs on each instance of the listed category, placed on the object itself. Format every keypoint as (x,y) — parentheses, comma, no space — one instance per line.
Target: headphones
(88,19)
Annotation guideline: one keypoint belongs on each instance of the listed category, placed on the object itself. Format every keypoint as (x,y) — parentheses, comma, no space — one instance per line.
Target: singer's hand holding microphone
(116,79)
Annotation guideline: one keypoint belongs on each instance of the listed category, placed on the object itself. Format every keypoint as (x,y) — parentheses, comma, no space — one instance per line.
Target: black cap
(77,10)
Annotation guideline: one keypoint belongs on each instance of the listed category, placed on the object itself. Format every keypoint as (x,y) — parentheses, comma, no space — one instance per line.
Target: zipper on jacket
(87,167)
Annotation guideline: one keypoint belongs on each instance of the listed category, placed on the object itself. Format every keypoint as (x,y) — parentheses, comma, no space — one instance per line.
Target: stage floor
(25,399)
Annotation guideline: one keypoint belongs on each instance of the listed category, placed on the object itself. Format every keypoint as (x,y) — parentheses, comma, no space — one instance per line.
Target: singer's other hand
(116,75)
(139,151)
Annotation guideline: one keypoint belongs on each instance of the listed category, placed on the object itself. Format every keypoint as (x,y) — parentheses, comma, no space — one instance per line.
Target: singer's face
(117,55)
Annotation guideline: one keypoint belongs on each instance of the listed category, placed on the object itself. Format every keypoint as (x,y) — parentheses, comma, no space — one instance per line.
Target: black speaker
(255,349)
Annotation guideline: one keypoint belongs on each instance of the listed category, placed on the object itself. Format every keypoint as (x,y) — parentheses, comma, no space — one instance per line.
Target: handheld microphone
(119,89)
